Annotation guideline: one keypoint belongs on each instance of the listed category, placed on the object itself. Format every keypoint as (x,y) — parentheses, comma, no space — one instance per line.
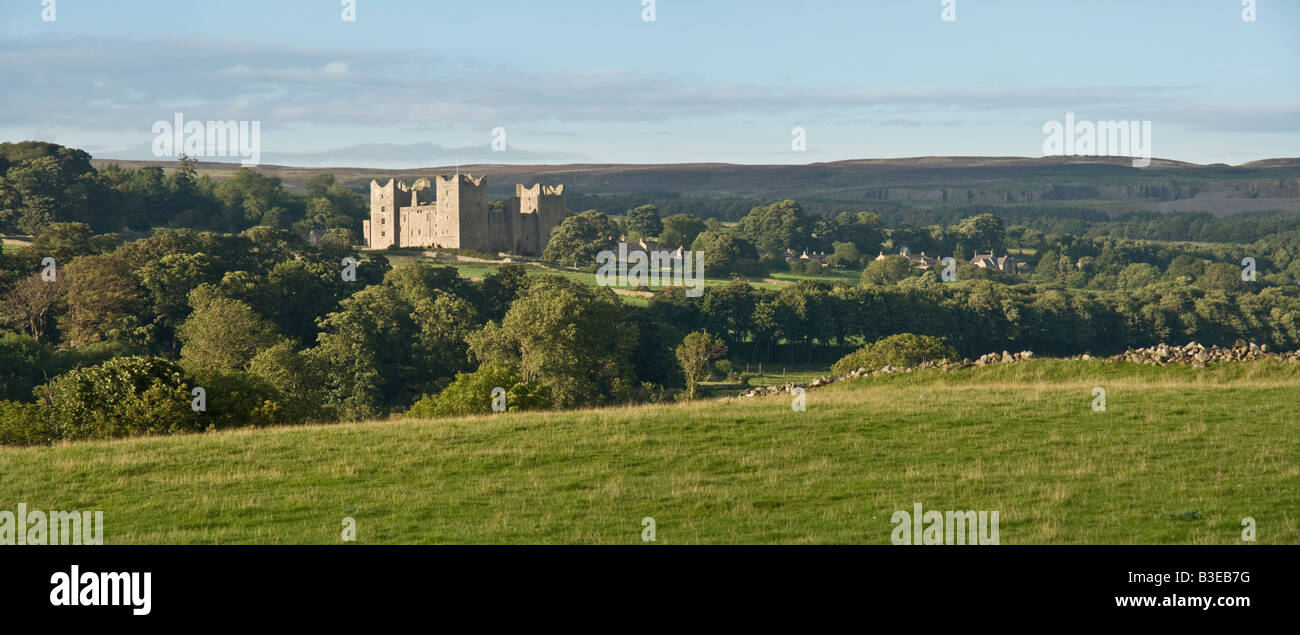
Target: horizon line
(1064,160)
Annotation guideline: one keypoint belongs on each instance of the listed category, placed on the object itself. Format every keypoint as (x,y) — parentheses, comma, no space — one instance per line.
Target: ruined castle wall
(501,231)
(428,226)
(527,241)
(525,201)
(518,224)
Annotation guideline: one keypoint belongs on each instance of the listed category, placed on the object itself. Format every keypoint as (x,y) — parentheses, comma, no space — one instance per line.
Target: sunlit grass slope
(1179,456)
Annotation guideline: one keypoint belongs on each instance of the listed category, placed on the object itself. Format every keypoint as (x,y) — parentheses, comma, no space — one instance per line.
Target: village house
(1005,264)
(815,256)
(651,246)
(921,262)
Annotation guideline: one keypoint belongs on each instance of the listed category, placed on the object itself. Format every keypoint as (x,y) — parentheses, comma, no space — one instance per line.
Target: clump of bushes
(122,397)
(725,369)
(24,424)
(807,268)
(903,350)
(472,393)
(649,392)
(137,395)
(28,363)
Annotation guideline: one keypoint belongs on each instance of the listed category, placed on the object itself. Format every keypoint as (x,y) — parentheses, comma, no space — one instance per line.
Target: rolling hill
(918,181)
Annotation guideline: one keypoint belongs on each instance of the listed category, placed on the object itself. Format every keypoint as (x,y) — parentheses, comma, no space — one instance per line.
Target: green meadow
(1180,455)
(476,270)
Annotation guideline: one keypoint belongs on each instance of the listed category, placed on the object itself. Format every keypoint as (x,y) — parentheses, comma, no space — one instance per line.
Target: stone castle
(458,216)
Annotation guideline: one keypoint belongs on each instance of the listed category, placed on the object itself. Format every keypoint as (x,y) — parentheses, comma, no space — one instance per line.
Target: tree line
(44,183)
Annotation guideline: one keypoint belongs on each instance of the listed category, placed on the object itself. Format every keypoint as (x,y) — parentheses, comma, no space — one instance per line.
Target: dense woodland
(164,283)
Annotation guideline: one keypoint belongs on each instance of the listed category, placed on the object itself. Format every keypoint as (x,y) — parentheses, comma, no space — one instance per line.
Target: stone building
(814,256)
(922,262)
(453,212)
(1005,264)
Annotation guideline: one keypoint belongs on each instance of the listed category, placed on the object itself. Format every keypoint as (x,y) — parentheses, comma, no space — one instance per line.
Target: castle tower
(541,208)
(383,230)
(462,199)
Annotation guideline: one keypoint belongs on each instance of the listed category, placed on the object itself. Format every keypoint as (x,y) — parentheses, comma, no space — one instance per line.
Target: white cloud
(94,92)
(335,69)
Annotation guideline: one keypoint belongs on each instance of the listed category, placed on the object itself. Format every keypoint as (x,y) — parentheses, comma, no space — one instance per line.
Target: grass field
(851,276)
(478,270)
(13,244)
(1179,456)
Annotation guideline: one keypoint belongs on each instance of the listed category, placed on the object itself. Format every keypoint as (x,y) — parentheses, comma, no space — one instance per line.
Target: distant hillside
(921,181)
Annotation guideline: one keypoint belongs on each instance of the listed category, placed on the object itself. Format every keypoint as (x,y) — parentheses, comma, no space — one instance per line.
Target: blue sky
(418,83)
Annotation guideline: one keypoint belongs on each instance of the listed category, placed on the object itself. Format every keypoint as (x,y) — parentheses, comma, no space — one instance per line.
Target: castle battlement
(458,215)
(448,178)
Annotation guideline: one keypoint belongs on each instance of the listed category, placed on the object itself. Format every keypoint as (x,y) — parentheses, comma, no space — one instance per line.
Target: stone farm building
(453,212)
